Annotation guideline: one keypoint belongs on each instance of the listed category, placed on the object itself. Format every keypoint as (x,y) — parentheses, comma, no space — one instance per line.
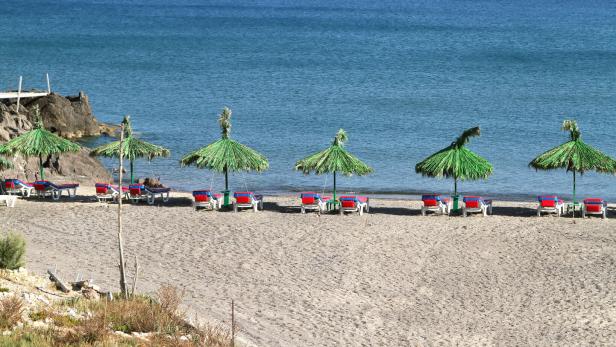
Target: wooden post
(232,323)
(136,276)
(120,242)
(19,93)
(48,84)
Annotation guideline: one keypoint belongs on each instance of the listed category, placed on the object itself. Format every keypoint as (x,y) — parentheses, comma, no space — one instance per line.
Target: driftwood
(50,293)
(54,278)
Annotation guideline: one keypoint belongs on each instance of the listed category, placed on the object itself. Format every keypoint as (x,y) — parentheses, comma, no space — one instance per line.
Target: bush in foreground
(12,251)
(158,316)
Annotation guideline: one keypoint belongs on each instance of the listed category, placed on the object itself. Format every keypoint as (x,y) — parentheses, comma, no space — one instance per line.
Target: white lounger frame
(603,211)
(254,204)
(559,209)
(360,207)
(484,208)
(56,193)
(22,190)
(442,208)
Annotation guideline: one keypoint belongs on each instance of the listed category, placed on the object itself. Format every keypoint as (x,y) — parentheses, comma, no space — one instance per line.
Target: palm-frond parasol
(226,155)
(133,148)
(38,142)
(334,159)
(574,155)
(456,161)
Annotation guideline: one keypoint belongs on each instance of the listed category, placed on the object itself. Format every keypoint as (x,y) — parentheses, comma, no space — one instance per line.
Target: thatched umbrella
(575,156)
(457,162)
(226,155)
(334,159)
(38,142)
(133,148)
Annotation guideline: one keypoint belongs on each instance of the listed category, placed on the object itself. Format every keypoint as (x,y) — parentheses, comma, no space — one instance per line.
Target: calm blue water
(403,79)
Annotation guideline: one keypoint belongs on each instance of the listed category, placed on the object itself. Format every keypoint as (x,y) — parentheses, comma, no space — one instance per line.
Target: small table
(332,205)
(9,200)
(573,206)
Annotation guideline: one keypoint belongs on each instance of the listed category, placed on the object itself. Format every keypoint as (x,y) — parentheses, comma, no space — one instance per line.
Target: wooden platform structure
(19,94)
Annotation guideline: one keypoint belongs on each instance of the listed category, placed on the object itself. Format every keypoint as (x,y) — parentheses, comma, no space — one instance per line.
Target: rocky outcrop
(70,117)
(68,167)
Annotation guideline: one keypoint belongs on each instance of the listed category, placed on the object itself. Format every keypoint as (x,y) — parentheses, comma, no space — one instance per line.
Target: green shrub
(12,251)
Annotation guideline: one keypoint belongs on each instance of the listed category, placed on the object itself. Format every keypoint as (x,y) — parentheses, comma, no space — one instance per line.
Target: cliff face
(69,117)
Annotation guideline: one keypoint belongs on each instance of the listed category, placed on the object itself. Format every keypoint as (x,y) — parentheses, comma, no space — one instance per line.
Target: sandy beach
(388,278)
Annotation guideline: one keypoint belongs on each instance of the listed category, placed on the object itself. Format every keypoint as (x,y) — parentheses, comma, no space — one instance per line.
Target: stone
(70,117)
(90,294)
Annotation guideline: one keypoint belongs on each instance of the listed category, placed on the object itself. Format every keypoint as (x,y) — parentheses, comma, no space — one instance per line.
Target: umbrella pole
(41,171)
(132,176)
(573,193)
(226,192)
(334,185)
(455,193)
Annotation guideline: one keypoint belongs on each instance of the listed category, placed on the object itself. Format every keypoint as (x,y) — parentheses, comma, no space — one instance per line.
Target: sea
(403,78)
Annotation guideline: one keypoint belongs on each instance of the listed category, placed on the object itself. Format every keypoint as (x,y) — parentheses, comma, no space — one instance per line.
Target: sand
(389,278)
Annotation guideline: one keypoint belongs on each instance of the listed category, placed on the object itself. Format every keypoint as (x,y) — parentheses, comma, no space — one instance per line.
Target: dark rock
(69,117)
(68,167)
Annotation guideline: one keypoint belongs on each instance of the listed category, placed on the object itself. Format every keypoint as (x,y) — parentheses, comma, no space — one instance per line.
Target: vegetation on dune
(157,321)
(12,251)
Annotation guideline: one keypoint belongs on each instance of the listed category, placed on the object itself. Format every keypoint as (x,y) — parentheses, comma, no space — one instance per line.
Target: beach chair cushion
(102,188)
(41,185)
(136,189)
(548,200)
(594,205)
(309,198)
(472,201)
(158,190)
(348,201)
(243,197)
(202,195)
(430,200)
(594,201)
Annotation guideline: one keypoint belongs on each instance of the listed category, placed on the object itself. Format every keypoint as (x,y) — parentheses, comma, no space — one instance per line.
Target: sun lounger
(594,206)
(354,203)
(46,188)
(138,192)
(247,200)
(15,186)
(9,200)
(436,203)
(106,192)
(475,204)
(550,204)
(313,201)
(206,199)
